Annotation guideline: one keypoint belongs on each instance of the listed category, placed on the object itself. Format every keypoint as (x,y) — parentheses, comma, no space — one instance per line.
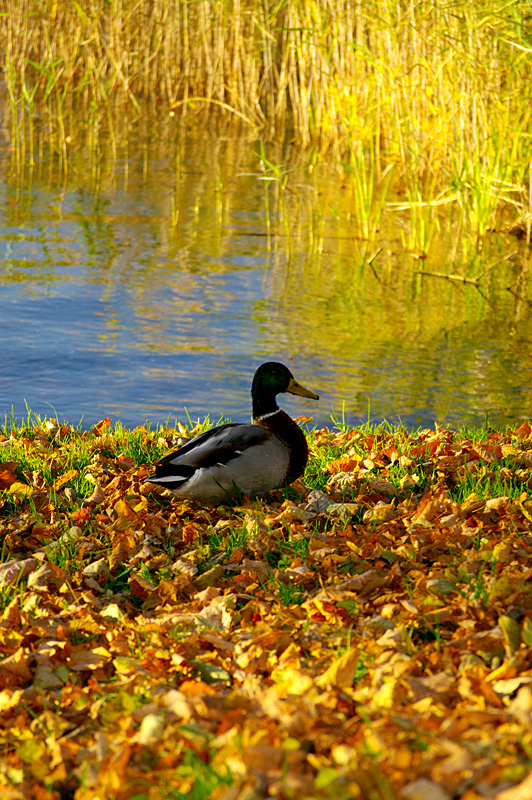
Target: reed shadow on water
(145,260)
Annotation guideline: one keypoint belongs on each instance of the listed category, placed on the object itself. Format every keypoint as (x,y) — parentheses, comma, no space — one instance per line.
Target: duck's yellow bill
(296,388)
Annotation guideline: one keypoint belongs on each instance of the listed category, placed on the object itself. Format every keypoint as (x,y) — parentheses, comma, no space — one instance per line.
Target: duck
(235,459)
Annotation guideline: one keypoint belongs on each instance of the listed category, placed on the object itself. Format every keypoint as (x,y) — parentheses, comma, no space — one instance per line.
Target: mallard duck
(231,460)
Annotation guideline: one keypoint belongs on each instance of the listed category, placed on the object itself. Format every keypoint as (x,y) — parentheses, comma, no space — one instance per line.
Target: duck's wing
(215,447)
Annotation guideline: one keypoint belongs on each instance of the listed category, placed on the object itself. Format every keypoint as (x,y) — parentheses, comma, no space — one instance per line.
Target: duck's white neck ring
(267,416)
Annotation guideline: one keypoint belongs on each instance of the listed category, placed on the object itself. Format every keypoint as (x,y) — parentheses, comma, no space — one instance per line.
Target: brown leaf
(119,553)
(141,587)
(488,453)
(437,686)
(6,478)
(97,496)
(209,578)
(82,659)
(363,584)
(263,758)
(382,487)
(12,571)
(259,569)
(17,664)
(190,533)
(48,575)
(424,789)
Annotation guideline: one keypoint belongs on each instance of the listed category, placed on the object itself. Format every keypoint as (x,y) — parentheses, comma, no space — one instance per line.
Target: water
(109,308)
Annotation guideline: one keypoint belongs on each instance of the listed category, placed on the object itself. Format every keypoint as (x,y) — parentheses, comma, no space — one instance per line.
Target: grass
(199,779)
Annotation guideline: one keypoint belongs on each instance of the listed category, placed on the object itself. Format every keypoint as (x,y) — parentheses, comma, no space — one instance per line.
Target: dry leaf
(423,789)
(363,584)
(64,479)
(13,571)
(342,672)
(46,576)
(97,496)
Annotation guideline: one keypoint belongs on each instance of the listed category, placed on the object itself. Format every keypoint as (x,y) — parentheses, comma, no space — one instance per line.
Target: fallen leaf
(342,672)
(13,571)
(363,584)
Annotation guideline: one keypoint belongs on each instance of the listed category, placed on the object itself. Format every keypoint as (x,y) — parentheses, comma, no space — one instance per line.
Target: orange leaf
(81,515)
(524,430)
(63,479)
(343,464)
(101,426)
(195,688)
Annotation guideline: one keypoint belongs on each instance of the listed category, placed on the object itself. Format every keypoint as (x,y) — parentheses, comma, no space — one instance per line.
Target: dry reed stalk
(429,86)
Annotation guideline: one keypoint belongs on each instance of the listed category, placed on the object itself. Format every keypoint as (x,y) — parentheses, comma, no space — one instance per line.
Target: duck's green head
(270,380)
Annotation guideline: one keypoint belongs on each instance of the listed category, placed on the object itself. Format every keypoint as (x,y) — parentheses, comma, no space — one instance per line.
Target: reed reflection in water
(110,308)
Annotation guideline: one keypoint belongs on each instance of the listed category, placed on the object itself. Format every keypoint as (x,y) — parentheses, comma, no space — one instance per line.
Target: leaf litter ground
(365,634)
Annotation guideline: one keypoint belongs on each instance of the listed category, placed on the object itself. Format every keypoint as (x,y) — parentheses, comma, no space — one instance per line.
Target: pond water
(162,282)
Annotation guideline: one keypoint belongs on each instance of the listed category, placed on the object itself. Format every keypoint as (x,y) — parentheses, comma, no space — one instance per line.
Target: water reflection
(112,304)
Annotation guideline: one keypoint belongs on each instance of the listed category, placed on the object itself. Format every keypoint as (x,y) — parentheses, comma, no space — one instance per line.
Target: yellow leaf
(20,490)
(123,509)
(141,506)
(291,681)
(10,699)
(113,611)
(31,751)
(342,672)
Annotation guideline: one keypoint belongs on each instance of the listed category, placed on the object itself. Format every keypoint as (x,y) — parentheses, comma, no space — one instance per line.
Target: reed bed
(440,93)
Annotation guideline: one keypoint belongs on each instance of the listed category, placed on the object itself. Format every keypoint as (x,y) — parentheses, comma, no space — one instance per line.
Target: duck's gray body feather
(223,462)
(221,465)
